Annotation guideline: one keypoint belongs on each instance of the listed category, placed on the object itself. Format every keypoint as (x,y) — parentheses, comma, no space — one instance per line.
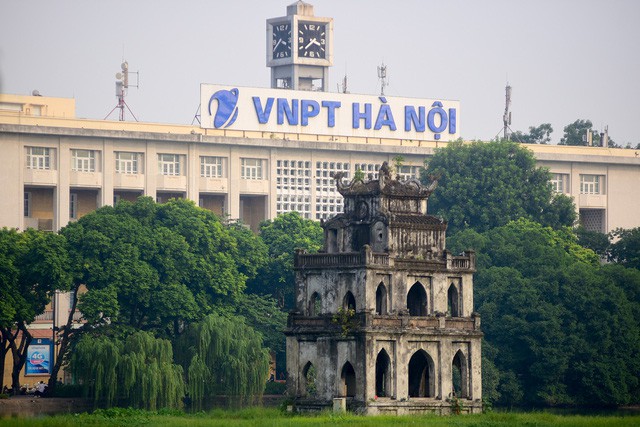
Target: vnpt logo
(227,111)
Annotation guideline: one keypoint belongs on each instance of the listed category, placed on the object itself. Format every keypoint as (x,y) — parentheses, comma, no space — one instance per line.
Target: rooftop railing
(464,262)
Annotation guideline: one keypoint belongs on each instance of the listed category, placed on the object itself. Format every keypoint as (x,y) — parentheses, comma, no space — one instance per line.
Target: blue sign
(325,113)
(39,357)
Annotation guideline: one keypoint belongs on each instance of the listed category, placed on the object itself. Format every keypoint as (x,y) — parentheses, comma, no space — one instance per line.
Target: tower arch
(417,300)
(421,371)
(348,377)
(383,377)
(381,299)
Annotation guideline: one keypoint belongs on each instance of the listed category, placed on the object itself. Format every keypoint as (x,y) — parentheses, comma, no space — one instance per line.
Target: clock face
(281,43)
(312,40)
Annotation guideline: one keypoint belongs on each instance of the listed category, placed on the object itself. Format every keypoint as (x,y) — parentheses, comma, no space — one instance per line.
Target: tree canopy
(575,134)
(138,371)
(537,135)
(223,356)
(625,249)
(486,185)
(560,328)
(282,236)
(33,265)
(157,267)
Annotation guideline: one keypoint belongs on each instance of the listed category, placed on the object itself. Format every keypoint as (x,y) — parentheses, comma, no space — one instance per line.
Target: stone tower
(384,314)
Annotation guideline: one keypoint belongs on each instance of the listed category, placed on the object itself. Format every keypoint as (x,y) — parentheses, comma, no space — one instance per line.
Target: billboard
(327,113)
(39,357)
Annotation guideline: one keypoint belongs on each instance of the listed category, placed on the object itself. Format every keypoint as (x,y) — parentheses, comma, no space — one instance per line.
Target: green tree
(626,249)
(138,371)
(537,135)
(562,329)
(485,185)
(157,267)
(575,132)
(33,265)
(597,242)
(283,236)
(223,356)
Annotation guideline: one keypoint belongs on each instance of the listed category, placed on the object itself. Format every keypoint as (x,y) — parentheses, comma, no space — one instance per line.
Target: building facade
(57,168)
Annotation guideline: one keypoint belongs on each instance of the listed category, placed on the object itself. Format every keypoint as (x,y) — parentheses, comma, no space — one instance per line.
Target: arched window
(349,302)
(315,304)
(417,300)
(453,301)
(460,376)
(421,375)
(308,380)
(381,299)
(383,381)
(348,377)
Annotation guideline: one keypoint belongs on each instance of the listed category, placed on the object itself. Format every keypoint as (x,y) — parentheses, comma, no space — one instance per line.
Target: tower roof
(385,185)
(300,8)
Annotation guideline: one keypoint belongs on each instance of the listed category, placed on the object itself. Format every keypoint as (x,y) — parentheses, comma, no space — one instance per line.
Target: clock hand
(277,44)
(310,43)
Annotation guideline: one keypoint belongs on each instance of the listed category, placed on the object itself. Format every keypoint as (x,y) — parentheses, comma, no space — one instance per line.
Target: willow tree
(223,356)
(138,372)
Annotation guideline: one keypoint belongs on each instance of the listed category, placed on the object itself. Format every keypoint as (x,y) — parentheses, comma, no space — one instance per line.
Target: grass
(273,417)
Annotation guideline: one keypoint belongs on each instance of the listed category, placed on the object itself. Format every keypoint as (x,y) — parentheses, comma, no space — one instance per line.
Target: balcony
(40,177)
(463,263)
(592,201)
(254,186)
(213,185)
(128,181)
(172,182)
(85,179)
(364,322)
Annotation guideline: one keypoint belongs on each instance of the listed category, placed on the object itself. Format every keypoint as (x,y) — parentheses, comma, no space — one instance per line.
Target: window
(27,203)
(73,205)
(169,164)
(211,167)
(83,160)
(560,182)
(348,377)
(38,158)
(251,169)
(591,184)
(383,382)
(409,172)
(381,299)
(459,376)
(417,300)
(453,301)
(326,188)
(128,162)
(421,375)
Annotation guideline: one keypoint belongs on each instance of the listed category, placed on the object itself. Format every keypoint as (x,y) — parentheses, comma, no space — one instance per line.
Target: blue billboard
(39,357)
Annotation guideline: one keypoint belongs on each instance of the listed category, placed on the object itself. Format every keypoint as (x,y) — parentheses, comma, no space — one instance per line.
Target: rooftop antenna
(122,85)
(382,75)
(506,118)
(343,87)
(196,117)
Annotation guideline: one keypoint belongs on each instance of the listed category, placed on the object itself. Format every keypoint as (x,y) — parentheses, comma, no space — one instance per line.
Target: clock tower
(300,49)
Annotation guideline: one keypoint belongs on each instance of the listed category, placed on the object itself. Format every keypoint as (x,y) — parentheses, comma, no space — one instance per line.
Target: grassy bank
(273,417)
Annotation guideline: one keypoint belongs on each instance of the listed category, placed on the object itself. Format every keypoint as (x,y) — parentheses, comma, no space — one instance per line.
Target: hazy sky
(565,59)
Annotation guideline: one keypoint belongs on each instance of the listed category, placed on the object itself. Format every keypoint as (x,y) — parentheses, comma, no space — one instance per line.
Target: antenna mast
(382,75)
(506,118)
(122,84)
(343,87)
